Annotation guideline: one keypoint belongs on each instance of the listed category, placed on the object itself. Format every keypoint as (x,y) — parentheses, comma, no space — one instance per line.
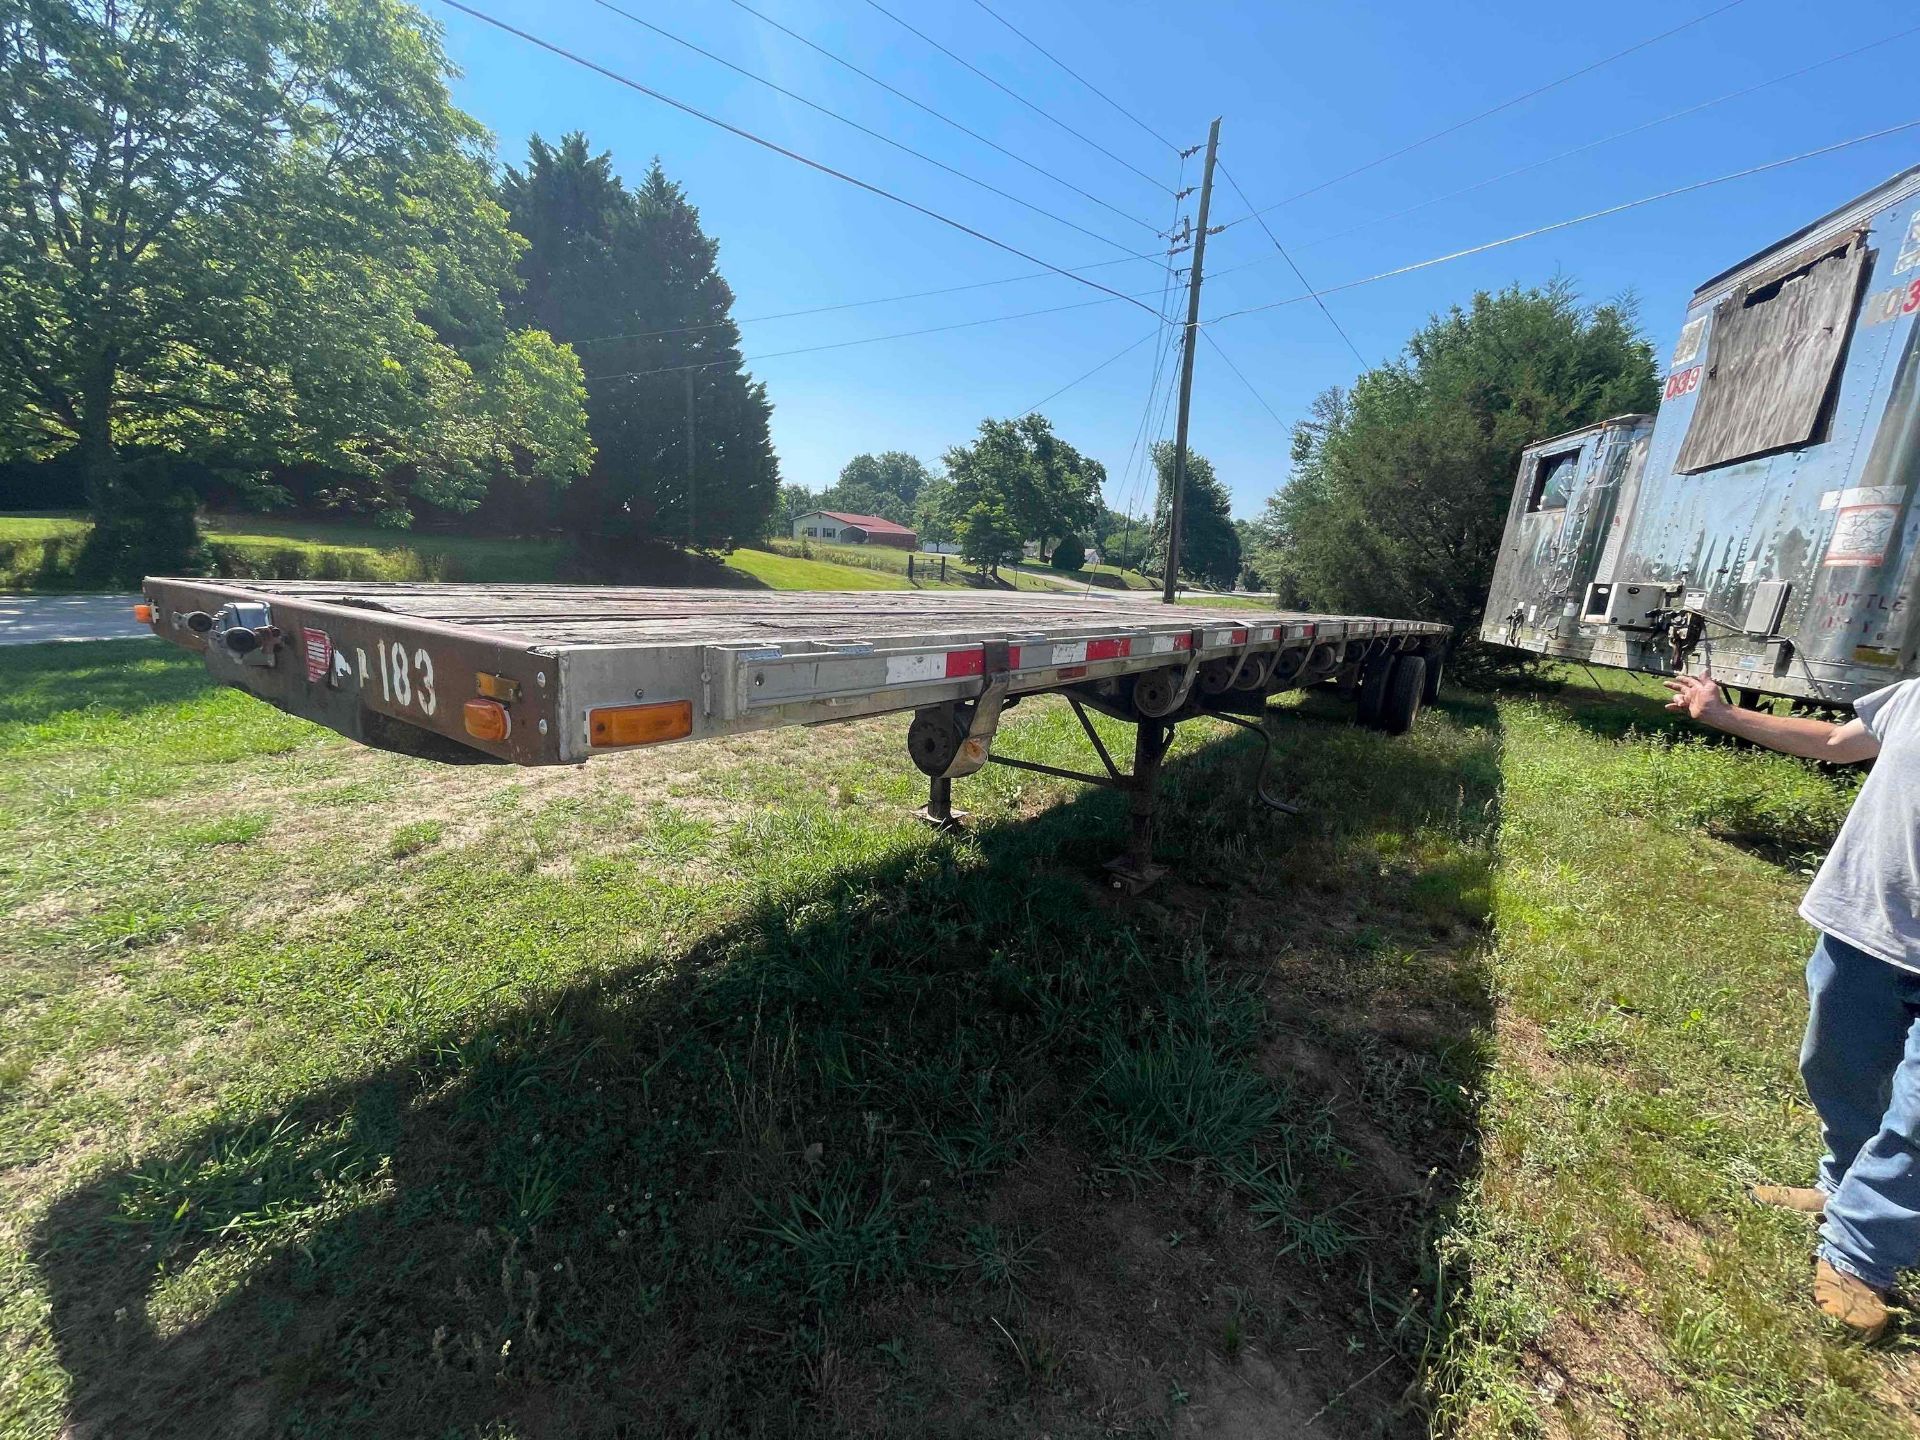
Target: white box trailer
(557,674)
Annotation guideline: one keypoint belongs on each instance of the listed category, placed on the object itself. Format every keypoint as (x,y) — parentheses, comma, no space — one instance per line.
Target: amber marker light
(143,612)
(613,725)
(486,719)
(497,687)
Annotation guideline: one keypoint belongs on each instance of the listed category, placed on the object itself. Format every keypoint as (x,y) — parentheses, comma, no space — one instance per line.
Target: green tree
(1045,487)
(1069,554)
(887,485)
(631,279)
(989,537)
(933,518)
(1400,488)
(1209,544)
(792,502)
(256,232)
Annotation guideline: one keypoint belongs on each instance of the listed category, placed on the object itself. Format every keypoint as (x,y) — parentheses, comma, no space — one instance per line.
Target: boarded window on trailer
(1773,357)
(1552,481)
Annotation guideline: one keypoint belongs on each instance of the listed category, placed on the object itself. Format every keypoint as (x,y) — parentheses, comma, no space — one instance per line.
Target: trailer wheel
(933,739)
(1374,673)
(1430,692)
(1154,694)
(1405,688)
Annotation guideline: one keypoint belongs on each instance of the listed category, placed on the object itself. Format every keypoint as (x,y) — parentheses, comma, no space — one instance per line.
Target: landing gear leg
(1134,871)
(938,811)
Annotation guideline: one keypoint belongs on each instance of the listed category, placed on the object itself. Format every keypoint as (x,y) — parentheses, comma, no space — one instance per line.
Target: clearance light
(613,725)
(143,613)
(486,719)
(497,687)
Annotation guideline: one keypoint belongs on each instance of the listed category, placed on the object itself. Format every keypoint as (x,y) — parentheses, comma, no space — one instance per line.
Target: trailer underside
(552,674)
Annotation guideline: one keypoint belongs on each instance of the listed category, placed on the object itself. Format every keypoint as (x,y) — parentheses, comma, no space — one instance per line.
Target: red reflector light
(615,725)
(486,719)
(1109,649)
(1072,672)
(1183,642)
(143,613)
(1239,637)
(966,662)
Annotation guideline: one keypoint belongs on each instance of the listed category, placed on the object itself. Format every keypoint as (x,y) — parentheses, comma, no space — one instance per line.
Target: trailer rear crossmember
(551,675)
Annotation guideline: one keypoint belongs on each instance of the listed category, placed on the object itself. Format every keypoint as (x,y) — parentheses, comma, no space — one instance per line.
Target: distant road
(30,619)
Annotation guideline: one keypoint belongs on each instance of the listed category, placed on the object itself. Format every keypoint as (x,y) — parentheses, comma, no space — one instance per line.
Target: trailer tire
(1375,672)
(1405,688)
(1430,691)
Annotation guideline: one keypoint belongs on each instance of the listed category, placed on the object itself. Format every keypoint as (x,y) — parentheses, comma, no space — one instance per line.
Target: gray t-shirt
(1868,891)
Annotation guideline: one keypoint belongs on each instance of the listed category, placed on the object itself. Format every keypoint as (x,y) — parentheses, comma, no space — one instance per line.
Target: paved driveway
(29,619)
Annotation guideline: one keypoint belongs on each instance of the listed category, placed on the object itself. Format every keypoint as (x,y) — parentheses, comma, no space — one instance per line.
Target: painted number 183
(403,681)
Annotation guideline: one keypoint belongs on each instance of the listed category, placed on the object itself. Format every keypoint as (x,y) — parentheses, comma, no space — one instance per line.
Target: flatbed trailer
(557,674)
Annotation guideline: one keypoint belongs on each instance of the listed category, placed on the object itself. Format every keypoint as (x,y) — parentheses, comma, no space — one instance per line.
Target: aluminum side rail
(550,675)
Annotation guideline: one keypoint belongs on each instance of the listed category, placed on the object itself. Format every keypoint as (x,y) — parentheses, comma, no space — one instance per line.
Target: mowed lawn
(702,1091)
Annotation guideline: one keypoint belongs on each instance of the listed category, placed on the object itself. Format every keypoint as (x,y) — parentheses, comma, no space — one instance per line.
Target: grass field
(37,552)
(701,1091)
(885,560)
(789,572)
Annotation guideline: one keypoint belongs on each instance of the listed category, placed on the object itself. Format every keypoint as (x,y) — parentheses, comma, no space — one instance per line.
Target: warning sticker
(1861,534)
(1909,248)
(318,646)
(1689,346)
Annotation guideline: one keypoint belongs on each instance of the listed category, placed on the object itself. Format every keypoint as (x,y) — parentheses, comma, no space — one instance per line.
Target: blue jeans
(1861,1062)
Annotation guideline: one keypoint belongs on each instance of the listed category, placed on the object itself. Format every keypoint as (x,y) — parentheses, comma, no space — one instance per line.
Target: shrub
(1069,554)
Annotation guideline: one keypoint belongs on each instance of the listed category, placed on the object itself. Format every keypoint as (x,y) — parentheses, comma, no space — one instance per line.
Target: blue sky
(1305,92)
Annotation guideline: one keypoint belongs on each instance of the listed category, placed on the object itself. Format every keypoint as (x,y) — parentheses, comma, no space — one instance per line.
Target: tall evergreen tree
(630,279)
(1209,544)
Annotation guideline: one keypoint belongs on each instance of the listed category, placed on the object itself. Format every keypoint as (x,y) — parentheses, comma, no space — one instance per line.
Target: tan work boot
(1802,1198)
(1851,1301)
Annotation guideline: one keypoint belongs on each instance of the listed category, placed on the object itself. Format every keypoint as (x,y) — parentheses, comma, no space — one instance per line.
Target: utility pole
(690,517)
(1177,510)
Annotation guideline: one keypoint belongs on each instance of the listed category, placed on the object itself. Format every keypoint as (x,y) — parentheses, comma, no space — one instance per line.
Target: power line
(1296,275)
(958,60)
(849,344)
(1129,489)
(778,149)
(1459,125)
(1577,220)
(1118,354)
(845,305)
(1246,382)
(1608,139)
(944,118)
(1078,76)
(883,138)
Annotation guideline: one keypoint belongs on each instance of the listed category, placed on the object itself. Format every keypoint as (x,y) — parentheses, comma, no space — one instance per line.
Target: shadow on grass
(955,1143)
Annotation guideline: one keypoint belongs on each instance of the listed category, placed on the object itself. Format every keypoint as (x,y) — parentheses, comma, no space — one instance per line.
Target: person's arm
(1699,696)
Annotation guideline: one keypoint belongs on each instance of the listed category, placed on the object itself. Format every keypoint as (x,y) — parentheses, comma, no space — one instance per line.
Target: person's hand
(1698,696)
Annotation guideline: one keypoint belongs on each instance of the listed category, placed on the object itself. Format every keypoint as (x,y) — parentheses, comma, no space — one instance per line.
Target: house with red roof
(839,528)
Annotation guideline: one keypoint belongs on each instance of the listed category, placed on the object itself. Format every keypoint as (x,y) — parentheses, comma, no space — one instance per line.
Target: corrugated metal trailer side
(1771,530)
